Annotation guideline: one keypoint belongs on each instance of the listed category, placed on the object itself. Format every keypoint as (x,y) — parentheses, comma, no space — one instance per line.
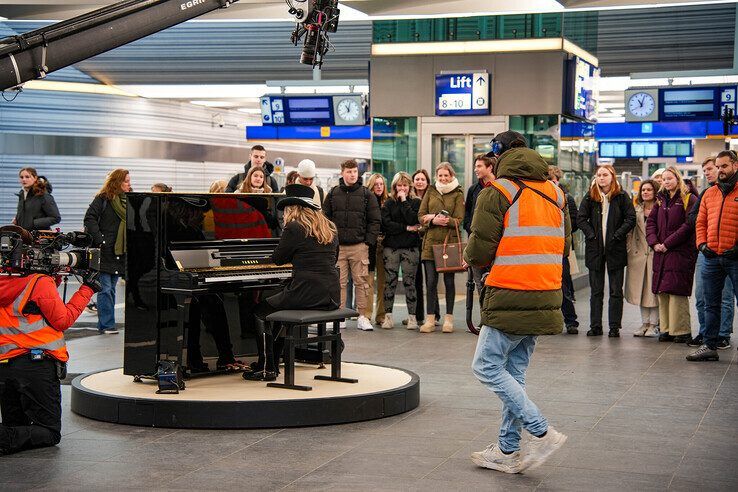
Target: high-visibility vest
(19,333)
(530,253)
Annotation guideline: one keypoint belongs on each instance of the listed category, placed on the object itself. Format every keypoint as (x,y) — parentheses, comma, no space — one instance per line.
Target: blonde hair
(246,185)
(313,221)
(400,178)
(372,181)
(448,167)
(594,190)
(113,183)
(218,186)
(682,186)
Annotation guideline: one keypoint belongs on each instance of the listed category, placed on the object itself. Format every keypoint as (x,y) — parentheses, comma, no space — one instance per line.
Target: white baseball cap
(306,168)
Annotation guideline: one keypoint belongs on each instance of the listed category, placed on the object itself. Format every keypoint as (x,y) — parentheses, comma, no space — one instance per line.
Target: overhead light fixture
(624,83)
(214,104)
(483,46)
(53,85)
(249,110)
(196,91)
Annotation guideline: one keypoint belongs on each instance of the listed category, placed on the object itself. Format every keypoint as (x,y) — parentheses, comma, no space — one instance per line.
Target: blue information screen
(696,103)
(462,94)
(644,148)
(297,111)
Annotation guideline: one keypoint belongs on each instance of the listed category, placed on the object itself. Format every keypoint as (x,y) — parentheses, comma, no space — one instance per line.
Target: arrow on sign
(481,80)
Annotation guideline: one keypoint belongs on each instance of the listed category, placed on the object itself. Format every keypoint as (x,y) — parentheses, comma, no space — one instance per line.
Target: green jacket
(433,202)
(513,311)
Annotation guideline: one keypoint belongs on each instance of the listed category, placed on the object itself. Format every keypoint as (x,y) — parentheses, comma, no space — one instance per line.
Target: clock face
(348,110)
(641,104)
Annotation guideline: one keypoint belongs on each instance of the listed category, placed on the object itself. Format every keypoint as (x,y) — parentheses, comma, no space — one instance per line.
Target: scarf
(447,188)
(119,207)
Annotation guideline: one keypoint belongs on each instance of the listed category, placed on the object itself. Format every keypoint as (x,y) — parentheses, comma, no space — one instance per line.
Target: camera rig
(315,19)
(22,253)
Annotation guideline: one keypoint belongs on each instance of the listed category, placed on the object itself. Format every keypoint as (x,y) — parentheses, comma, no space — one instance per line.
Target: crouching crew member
(33,356)
(310,243)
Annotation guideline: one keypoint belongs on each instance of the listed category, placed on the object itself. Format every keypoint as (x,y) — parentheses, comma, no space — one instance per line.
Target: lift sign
(462,94)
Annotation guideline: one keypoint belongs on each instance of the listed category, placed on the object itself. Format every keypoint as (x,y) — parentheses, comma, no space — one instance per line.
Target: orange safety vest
(19,333)
(530,253)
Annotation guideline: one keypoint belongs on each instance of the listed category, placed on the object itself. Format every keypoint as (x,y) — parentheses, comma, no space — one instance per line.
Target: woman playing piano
(310,243)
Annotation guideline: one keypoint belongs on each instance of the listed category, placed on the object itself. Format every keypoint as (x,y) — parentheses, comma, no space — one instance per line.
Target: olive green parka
(515,312)
(433,202)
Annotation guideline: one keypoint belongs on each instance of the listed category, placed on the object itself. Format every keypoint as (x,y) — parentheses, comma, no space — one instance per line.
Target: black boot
(614,333)
(594,332)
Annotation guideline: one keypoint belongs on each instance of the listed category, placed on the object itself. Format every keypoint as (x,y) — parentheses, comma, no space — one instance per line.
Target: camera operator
(33,354)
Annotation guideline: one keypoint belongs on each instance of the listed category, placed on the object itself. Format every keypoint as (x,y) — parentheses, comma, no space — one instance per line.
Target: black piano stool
(292,320)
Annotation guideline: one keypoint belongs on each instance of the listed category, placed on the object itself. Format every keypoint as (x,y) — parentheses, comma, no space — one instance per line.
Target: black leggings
(431,282)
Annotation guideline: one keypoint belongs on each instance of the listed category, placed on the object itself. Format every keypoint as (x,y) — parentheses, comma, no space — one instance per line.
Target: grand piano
(192,259)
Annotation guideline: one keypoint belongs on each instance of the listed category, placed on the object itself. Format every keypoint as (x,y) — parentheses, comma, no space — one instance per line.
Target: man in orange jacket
(717,239)
(33,357)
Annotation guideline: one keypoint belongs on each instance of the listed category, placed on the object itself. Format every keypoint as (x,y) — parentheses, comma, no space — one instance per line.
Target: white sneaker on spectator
(494,459)
(364,324)
(539,449)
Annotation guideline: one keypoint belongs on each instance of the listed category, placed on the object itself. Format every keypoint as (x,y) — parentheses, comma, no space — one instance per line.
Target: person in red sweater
(33,357)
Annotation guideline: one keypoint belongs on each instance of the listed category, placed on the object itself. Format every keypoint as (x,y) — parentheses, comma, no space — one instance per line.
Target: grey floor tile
(412,446)
(680,484)
(348,481)
(576,479)
(706,469)
(463,471)
(622,461)
(361,462)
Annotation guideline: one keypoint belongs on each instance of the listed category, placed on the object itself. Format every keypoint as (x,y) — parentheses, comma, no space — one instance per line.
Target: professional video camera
(315,19)
(22,253)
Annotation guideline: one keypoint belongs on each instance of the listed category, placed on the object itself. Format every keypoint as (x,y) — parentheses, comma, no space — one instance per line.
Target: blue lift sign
(462,94)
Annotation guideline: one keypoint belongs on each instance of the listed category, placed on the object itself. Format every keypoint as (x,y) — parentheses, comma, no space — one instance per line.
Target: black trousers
(567,290)
(431,281)
(30,400)
(615,302)
(209,308)
(420,305)
(268,342)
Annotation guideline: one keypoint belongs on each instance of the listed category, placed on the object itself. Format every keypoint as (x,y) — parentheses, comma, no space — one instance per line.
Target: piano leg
(336,358)
(289,362)
(183,323)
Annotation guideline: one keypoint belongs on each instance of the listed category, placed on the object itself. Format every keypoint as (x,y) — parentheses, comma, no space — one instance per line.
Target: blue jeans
(727,311)
(500,362)
(714,272)
(106,301)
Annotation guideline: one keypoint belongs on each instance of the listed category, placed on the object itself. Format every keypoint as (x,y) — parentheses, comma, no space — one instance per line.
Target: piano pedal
(169,378)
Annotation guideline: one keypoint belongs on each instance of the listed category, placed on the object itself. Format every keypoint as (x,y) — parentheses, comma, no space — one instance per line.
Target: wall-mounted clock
(642,105)
(348,110)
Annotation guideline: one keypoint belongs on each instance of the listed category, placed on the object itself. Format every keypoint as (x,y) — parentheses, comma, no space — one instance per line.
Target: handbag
(449,256)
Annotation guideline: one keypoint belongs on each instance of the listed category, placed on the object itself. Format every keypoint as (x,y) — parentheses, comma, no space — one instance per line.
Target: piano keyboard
(270,275)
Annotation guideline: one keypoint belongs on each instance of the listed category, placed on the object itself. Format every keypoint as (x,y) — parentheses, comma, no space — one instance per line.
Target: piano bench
(292,320)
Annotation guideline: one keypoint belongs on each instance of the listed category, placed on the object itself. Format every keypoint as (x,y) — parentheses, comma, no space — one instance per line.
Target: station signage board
(646,148)
(463,94)
(309,110)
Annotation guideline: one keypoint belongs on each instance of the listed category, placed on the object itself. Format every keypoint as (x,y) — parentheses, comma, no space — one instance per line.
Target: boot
(430,324)
(639,332)
(448,323)
(412,323)
(387,322)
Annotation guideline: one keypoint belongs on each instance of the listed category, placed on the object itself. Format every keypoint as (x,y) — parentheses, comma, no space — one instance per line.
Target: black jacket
(470,203)
(572,212)
(102,223)
(355,213)
(315,281)
(692,217)
(620,220)
(396,216)
(36,211)
(237,179)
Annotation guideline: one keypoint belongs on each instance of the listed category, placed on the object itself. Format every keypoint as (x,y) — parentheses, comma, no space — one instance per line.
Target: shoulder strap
(685,201)
(546,197)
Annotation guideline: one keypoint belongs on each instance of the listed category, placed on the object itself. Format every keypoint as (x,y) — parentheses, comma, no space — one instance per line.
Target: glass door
(460,150)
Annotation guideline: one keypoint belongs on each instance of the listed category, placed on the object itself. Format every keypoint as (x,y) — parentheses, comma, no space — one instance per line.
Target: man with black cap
(310,243)
(521,228)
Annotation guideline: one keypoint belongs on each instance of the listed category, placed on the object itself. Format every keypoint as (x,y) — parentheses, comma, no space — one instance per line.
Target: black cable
(13,98)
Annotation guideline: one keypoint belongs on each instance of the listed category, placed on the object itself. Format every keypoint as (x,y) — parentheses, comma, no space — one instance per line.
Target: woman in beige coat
(441,212)
(639,274)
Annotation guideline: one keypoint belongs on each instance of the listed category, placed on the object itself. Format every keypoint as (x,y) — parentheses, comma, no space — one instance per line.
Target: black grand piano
(192,261)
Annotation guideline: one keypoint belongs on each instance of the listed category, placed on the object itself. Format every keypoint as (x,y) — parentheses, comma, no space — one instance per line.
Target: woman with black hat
(310,243)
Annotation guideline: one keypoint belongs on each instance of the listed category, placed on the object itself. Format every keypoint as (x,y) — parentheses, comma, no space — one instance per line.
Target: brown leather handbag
(449,256)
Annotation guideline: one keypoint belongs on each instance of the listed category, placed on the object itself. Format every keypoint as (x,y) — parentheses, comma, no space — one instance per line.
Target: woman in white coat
(639,274)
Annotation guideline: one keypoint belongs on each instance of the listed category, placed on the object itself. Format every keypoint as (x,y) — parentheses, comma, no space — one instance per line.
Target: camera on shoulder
(46,252)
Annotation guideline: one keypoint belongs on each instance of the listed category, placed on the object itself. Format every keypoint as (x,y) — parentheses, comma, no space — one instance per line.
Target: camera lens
(70,259)
(310,48)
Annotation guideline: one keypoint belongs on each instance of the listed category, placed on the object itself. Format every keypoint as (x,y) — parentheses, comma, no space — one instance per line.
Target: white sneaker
(494,459)
(342,324)
(539,449)
(653,331)
(642,330)
(388,324)
(412,322)
(364,324)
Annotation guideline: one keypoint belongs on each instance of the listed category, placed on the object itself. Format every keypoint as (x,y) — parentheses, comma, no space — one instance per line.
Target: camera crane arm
(37,53)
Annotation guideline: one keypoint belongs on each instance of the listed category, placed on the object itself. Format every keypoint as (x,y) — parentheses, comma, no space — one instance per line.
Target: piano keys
(181,248)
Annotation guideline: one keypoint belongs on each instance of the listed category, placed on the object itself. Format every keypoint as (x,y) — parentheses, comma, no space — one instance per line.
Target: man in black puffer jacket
(353,209)
(257,157)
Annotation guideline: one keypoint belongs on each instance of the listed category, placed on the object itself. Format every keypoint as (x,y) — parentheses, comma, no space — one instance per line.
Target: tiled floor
(638,416)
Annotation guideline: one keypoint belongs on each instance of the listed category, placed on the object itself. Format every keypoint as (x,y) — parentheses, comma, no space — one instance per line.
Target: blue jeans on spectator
(714,272)
(728,309)
(106,301)
(500,362)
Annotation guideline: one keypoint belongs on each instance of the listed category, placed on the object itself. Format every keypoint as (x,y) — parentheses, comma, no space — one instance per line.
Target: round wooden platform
(229,402)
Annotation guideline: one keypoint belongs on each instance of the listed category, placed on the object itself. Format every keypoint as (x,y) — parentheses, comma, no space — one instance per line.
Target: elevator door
(460,150)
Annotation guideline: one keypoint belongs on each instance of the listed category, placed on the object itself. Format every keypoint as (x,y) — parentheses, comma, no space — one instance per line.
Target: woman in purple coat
(672,238)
